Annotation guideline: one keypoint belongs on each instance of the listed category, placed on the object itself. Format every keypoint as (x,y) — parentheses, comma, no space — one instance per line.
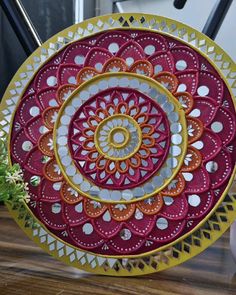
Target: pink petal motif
(209,144)
(51,214)
(151,42)
(162,62)
(85,236)
(184,58)
(174,207)
(67,74)
(223,125)
(20,146)
(47,97)
(35,128)
(199,204)
(33,162)
(188,81)
(49,191)
(126,241)
(112,41)
(219,168)
(28,108)
(210,85)
(74,214)
(97,57)
(204,109)
(76,53)
(46,77)
(141,224)
(130,52)
(197,181)
(106,225)
(166,230)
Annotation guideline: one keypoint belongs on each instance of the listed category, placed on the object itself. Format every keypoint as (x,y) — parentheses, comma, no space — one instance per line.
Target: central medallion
(120,138)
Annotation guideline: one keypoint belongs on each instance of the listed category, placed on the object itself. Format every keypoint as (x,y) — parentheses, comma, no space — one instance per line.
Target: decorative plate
(124,128)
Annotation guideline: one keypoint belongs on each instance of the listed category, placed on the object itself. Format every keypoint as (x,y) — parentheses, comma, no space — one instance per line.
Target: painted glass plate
(124,127)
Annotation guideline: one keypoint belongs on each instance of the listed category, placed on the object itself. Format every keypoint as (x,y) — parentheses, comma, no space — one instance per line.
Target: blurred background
(50,17)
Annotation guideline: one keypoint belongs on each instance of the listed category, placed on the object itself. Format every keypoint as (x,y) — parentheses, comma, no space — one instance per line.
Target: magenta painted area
(155,114)
(139,233)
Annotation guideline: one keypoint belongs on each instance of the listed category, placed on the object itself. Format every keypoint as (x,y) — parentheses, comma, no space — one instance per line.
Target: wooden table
(25,269)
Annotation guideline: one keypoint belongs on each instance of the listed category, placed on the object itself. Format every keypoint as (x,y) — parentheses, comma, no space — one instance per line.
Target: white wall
(195,14)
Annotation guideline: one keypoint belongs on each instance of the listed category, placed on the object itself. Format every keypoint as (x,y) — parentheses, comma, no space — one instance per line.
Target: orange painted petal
(93,121)
(86,74)
(121,169)
(195,129)
(52,172)
(49,116)
(121,108)
(99,165)
(135,161)
(186,100)
(175,187)
(192,159)
(147,129)
(115,64)
(141,118)
(110,167)
(168,80)
(142,67)
(148,141)
(151,205)
(91,157)
(133,111)
(121,212)
(45,144)
(64,92)
(94,209)
(147,150)
(101,113)
(69,195)
(86,143)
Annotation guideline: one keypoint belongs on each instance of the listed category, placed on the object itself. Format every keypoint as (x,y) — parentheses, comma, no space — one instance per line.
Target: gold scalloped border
(209,229)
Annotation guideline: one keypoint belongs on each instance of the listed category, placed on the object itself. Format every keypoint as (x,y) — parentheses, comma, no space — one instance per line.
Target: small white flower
(64,233)
(105,247)
(114,69)
(27,198)
(166,85)
(172,184)
(183,102)
(188,159)
(54,117)
(66,95)
(149,201)
(50,144)
(190,130)
(57,61)
(73,192)
(14,177)
(140,72)
(57,169)
(148,243)
(121,207)
(88,77)
(96,204)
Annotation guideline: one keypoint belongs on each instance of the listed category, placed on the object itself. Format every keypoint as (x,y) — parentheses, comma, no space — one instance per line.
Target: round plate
(124,127)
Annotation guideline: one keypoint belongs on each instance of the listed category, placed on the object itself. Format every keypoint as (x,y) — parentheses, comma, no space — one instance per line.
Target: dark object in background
(49,17)
(21,24)
(179,4)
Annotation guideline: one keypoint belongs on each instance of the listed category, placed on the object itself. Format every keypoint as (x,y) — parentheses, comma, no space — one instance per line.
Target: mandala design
(127,140)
